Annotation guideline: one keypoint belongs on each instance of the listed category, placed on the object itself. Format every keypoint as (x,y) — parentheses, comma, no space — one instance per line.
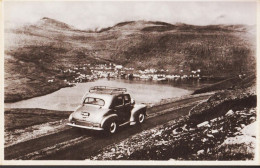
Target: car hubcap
(141,118)
(113,127)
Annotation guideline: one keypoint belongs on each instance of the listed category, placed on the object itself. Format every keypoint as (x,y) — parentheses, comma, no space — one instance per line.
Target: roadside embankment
(25,124)
(221,138)
(22,118)
(231,83)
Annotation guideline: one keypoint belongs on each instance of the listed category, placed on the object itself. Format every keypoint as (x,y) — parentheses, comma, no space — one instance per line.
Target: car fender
(109,117)
(136,110)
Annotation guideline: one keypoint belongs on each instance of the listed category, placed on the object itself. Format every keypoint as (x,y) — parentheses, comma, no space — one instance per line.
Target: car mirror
(132,101)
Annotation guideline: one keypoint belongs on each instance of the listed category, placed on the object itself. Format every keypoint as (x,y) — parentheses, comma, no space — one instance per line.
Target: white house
(118,67)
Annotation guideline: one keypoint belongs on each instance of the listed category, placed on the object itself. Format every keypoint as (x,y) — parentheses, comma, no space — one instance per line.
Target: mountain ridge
(46,21)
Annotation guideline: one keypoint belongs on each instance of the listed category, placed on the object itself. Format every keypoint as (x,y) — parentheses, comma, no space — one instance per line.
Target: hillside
(37,52)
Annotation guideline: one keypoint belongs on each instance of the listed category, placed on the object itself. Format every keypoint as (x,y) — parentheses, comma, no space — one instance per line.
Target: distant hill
(48,22)
(36,52)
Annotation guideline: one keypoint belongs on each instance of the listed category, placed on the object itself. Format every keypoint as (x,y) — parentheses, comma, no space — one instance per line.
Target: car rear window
(94,101)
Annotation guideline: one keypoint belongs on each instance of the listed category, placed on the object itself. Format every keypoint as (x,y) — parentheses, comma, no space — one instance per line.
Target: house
(118,67)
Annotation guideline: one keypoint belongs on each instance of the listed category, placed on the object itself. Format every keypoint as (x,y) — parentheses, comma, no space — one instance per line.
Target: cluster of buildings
(163,75)
(90,72)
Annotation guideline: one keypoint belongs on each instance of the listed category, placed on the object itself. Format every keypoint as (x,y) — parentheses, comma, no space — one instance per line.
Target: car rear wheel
(112,127)
(140,118)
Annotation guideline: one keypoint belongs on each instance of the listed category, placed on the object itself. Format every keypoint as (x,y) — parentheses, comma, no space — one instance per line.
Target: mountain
(34,53)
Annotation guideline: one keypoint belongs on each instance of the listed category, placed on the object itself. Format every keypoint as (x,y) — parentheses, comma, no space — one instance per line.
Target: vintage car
(106,108)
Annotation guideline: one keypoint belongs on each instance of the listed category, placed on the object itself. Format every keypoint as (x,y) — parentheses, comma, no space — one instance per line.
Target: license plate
(85,114)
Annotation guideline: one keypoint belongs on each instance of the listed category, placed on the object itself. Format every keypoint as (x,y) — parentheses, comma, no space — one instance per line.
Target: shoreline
(13,98)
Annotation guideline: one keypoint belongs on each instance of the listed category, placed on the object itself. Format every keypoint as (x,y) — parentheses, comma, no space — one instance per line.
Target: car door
(118,106)
(128,107)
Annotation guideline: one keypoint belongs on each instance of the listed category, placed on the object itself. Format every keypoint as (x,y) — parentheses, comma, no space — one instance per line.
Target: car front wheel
(141,118)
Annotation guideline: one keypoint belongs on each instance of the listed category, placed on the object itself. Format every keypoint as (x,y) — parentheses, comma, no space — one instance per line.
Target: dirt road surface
(78,144)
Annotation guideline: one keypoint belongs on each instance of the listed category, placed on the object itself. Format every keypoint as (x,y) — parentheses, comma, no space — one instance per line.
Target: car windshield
(94,101)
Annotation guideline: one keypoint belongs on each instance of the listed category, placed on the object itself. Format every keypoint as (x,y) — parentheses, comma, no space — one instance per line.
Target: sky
(100,14)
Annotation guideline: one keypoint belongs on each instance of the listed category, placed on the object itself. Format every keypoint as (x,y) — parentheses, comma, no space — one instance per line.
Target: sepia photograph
(171,81)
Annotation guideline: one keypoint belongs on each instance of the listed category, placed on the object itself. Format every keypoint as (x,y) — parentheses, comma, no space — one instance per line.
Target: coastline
(16,98)
(42,91)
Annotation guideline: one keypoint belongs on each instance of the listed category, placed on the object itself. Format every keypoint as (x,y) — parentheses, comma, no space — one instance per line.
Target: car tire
(140,118)
(112,127)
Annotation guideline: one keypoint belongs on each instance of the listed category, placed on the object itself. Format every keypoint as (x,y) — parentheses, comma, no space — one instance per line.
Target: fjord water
(67,99)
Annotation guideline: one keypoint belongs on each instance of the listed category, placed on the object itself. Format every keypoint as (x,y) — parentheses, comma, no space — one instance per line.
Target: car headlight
(70,118)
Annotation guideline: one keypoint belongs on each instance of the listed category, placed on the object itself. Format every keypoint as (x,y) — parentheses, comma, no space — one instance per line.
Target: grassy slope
(34,53)
(22,118)
(231,83)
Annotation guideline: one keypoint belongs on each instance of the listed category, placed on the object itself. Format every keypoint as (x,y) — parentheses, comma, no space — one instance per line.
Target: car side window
(127,99)
(118,101)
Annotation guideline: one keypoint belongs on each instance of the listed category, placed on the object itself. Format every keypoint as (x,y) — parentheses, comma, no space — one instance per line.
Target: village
(89,72)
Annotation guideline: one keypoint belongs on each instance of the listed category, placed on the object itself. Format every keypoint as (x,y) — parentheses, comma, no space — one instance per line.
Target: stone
(214,131)
(184,128)
(229,113)
(128,151)
(210,135)
(252,118)
(252,110)
(113,149)
(213,120)
(204,139)
(174,132)
(200,152)
(237,133)
(206,123)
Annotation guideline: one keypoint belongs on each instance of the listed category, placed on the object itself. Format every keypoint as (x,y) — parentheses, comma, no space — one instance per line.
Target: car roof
(104,95)
(100,95)
(107,90)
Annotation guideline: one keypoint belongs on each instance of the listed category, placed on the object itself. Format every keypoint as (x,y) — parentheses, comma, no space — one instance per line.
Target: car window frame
(129,101)
(113,103)
(94,104)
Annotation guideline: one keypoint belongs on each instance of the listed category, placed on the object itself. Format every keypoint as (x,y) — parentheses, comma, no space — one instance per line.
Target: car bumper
(86,127)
